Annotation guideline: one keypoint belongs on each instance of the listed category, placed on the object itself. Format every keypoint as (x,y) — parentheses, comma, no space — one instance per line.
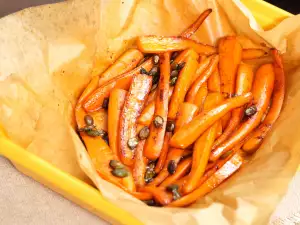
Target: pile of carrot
(170,121)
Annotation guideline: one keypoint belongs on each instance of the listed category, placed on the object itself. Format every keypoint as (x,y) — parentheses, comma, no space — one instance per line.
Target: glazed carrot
(128,182)
(182,85)
(134,102)
(173,155)
(126,62)
(88,90)
(243,85)
(191,94)
(140,165)
(159,194)
(203,65)
(229,168)
(148,112)
(225,120)
(142,195)
(195,26)
(260,133)
(154,142)
(219,130)
(117,99)
(214,82)
(186,113)
(182,57)
(181,170)
(262,91)
(230,52)
(151,97)
(191,131)
(95,100)
(164,152)
(201,96)
(161,44)
(253,53)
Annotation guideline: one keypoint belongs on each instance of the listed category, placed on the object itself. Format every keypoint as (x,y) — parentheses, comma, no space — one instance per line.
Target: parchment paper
(48,55)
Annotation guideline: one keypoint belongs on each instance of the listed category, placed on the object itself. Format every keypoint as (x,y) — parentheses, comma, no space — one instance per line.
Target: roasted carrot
(164,152)
(262,91)
(181,170)
(92,86)
(154,142)
(186,113)
(134,102)
(129,183)
(230,52)
(260,133)
(214,82)
(201,96)
(117,99)
(159,194)
(191,94)
(225,120)
(140,165)
(126,62)
(253,53)
(229,168)
(161,44)
(151,97)
(191,131)
(243,85)
(219,130)
(95,100)
(182,57)
(182,85)
(203,65)
(142,195)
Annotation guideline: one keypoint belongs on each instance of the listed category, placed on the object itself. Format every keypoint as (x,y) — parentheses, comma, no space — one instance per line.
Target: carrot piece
(123,81)
(117,99)
(159,194)
(173,155)
(262,91)
(195,26)
(161,44)
(128,182)
(214,82)
(191,131)
(164,152)
(219,130)
(88,90)
(126,62)
(260,133)
(229,168)
(230,52)
(140,165)
(253,53)
(201,96)
(154,142)
(190,97)
(243,85)
(182,85)
(202,66)
(225,120)
(182,57)
(142,195)
(148,112)
(181,170)
(186,113)
(151,96)
(134,102)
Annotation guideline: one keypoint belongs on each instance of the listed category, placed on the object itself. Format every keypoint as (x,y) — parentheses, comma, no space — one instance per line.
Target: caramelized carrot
(134,102)
(142,195)
(229,168)
(128,182)
(88,90)
(219,130)
(201,96)
(151,97)
(243,85)
(214,82)
(159,194)
(95,100)
(186,113)
(225,120)
(260,133)
(140,165)
(126,62)
(230,52)
(190,97)
(182,57)
(154,142)
(191,131)
(117,99)
(253,53)
(161,44)
(262,91)
(182,85)
(203,65)
(164,152)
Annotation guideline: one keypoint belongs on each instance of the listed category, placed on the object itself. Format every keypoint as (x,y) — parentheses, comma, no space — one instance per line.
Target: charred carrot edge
(244,82)
(190,132)
(159,194)
(262,91)
(140,164)
(230,52)
(117,99)
(164,152)
(154,142)
(126,62)
(214,82)
(229,168)
(182,85)
(181,170)
(201,96)
(253,53)
(260,133)
(134,102)
(161,44)
(186,113)
(123,81)
(190,97)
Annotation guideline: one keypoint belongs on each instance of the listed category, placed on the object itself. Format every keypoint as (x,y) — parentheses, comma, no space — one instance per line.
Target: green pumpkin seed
(132,143)
(120,172)
(155,59)
(173,81)
(89,121)
(115,164)
(250,111)
(170,126)
(144,133)
(158,121)
(172,167)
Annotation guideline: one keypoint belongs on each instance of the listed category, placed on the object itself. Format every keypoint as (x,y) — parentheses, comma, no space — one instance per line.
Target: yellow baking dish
(82,193)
